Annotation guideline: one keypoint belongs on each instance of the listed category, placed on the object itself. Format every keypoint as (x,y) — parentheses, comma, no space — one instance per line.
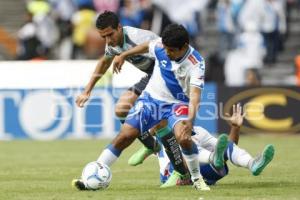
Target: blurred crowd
(251,32)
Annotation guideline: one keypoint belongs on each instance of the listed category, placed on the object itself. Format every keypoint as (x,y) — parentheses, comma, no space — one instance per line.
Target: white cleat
(200,185)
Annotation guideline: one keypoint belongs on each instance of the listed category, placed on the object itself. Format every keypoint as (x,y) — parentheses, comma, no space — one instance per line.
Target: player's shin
(237,155)
(149,141)
(172,149)
(192,161)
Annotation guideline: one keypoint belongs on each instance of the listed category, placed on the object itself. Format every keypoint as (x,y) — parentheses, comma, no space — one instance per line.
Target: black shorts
(139,87)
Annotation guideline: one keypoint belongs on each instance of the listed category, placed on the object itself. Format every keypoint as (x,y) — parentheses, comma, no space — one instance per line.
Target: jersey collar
(185,55)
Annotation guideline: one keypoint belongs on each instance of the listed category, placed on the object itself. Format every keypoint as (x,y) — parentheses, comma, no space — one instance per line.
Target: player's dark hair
(175,35)
(107,19)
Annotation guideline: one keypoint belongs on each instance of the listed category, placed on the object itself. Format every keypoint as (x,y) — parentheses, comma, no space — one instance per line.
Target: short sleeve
(152,45)
(197,75)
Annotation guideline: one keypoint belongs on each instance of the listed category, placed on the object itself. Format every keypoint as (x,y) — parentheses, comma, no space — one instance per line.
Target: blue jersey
(166,95)
(171,80)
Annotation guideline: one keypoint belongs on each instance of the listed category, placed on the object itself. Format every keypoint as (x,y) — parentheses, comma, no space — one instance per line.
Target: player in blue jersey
(119,39)
(172,94)
(236,155)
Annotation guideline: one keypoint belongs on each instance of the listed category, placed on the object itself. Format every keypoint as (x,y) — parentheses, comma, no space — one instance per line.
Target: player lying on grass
(206,144)
(173,94)
(119,39)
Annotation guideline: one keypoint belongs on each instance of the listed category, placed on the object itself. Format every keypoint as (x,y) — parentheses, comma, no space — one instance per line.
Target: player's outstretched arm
(120,59)
(236,121)
(100,70)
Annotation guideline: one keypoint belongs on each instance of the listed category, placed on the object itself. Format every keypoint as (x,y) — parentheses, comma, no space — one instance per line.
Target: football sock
(237,155)
(192,162)
(109,155)
(172,149)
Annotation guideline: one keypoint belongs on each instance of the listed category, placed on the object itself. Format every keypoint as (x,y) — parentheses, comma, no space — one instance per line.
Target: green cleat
(138,157)
(261,161)
(218,158)
(177,179)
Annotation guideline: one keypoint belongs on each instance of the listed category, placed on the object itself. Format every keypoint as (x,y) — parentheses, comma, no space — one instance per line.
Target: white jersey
(171,80)
(133,37)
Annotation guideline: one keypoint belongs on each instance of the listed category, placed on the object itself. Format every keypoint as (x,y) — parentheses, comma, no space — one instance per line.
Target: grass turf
(31,170)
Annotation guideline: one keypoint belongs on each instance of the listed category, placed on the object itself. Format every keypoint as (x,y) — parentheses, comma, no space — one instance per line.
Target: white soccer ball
(96,176)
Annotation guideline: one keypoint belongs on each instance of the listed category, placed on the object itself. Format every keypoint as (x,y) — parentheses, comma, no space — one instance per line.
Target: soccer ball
(96,176)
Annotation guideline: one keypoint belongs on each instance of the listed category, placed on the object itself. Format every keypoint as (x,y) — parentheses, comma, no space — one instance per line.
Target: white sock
(239,156)
(204,156)
(107,157)
(192,163)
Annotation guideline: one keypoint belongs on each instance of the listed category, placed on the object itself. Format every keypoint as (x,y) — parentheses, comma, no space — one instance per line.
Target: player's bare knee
(121,110)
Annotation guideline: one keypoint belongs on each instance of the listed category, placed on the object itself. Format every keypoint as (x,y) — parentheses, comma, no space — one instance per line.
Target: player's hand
(82,98)
(237,117)
(187,127)
(118,62)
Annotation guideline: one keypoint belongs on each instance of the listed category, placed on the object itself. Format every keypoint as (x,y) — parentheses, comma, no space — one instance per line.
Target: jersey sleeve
(197,75)
(152,45)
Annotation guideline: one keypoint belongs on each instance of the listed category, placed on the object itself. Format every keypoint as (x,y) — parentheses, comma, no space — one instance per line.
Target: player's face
(175,53)
(113,37)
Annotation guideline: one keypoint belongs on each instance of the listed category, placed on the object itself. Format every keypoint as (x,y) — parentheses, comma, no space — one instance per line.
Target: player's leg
(211,149)
(190,154)
(112,152)
(240,157)
(126,102)
(167,138)
(180,175)
(130,130)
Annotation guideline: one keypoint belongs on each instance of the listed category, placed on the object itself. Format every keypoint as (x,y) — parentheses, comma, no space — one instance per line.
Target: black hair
(107,19)
(175,35)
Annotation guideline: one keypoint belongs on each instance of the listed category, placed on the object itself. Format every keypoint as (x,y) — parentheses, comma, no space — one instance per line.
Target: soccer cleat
(78,184)
(218,156)
(262,160)
(200,184)
(177,179)
(138,157)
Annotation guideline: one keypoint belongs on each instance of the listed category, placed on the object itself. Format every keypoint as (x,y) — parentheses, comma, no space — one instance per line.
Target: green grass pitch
(31,170)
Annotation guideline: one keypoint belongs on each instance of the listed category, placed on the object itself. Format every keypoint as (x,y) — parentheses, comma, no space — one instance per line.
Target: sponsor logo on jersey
(181,110)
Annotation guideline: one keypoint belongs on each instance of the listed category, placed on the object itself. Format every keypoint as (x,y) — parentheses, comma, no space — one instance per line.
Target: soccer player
(172,94)
(206,144)
(119,39)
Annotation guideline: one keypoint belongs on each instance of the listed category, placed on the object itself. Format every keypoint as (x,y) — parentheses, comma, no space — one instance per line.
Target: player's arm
(195,96)
(120,59)
(102,66)
(196,86)
(236,121)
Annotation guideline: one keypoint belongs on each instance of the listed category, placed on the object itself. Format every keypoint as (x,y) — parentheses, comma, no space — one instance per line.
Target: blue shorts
(211,175)
(147,112)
